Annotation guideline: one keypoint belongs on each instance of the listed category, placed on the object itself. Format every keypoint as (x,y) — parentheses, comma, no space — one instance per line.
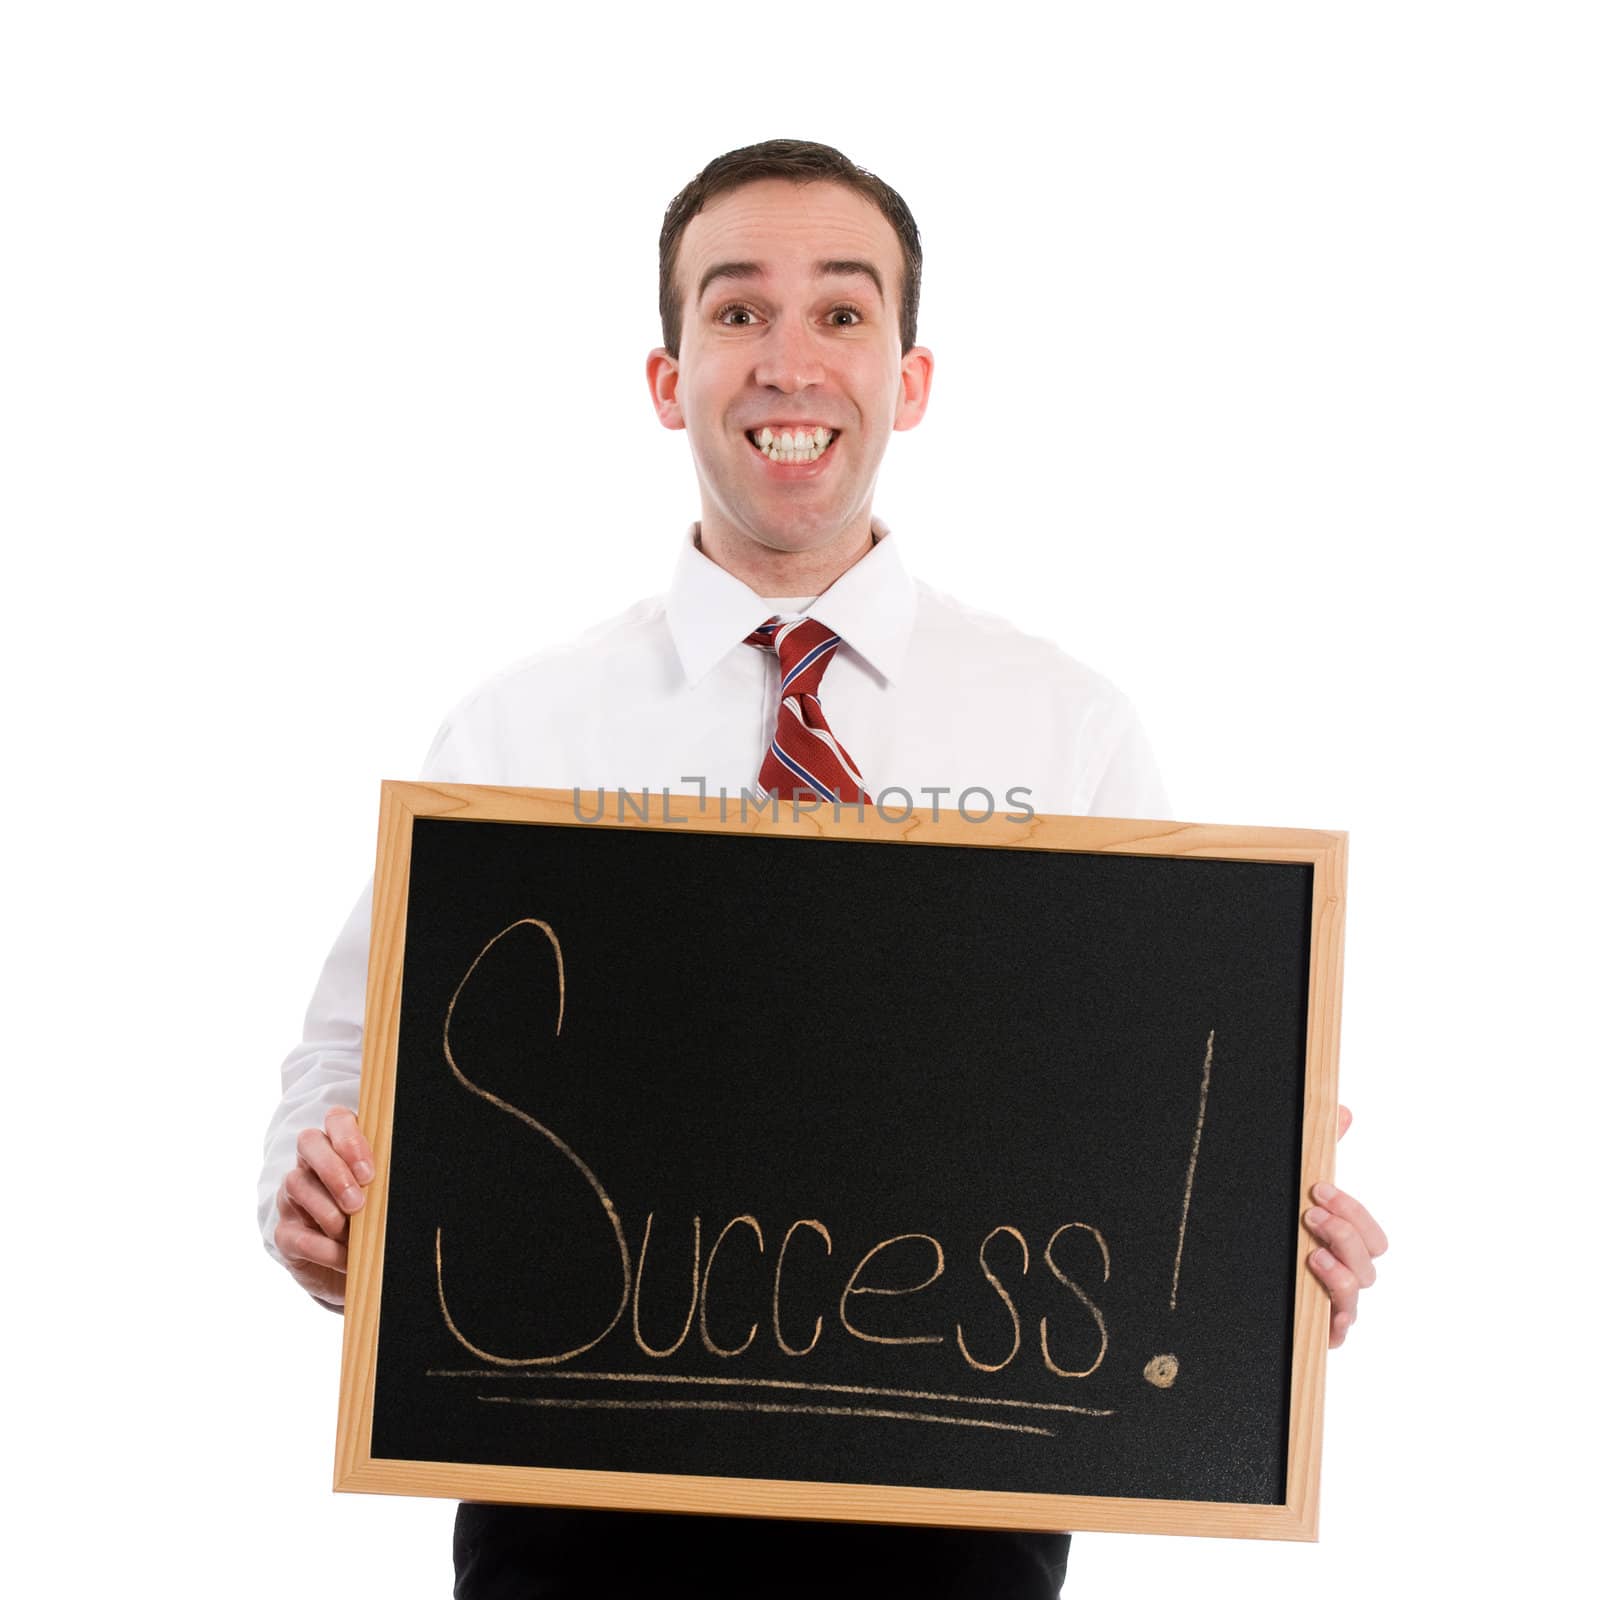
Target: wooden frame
(356,1469)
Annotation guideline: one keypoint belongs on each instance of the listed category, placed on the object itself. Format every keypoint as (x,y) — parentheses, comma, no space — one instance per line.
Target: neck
(779,573)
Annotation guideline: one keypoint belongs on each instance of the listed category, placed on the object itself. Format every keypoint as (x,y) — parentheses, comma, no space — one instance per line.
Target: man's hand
(1352,1239)
(316,1200)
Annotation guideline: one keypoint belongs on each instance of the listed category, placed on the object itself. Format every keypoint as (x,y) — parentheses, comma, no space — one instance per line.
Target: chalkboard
(840,1167)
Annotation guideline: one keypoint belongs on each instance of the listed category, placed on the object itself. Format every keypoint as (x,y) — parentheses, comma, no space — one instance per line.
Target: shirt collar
(871,607)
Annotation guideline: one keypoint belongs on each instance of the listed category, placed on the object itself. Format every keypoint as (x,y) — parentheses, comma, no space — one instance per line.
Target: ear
(662,372)
(916,379)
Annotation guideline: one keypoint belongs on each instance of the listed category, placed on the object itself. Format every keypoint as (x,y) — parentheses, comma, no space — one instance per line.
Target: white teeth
(804,444)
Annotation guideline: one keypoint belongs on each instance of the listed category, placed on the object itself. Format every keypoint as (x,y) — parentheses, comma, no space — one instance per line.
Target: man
(789,288)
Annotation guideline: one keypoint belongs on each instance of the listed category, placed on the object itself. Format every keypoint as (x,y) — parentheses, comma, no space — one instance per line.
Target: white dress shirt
(931,698)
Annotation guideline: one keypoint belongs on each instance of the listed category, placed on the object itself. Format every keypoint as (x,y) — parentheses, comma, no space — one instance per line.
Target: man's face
(791,297)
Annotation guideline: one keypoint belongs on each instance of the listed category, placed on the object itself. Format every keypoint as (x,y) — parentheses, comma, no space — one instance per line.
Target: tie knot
(804,648)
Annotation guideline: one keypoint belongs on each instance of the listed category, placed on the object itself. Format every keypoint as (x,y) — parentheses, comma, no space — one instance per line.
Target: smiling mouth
(792,445)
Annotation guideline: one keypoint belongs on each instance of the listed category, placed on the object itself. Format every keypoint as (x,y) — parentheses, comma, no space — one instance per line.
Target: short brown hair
(802,162)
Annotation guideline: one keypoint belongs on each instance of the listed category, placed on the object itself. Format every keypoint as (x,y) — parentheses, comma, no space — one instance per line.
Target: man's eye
(848,311)
(735,311)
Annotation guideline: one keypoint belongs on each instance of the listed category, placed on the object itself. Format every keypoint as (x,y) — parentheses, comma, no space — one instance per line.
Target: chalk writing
(1194,1156)
(733,1258)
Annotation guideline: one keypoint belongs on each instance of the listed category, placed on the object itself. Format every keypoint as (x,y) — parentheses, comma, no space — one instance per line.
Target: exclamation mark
(1162,1370)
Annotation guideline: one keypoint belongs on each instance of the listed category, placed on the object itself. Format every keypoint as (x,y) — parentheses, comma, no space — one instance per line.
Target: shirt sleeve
(324,1069)
(1130,783)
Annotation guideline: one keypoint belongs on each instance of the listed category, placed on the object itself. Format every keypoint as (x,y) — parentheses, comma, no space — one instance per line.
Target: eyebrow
(822,269)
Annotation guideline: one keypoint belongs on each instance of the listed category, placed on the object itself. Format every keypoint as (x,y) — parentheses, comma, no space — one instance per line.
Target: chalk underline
(759,1405)
(775,1383)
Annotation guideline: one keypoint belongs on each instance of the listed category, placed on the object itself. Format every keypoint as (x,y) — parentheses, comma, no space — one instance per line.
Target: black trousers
(539,1553)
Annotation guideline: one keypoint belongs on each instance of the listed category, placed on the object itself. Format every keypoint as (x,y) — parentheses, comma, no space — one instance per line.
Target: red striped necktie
(804,757)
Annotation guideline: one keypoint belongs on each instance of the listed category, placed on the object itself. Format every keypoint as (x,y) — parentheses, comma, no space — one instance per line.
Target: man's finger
(320,1157)
(1340,1282)
(323,1282)
(1345,1242)
(1345,1120)
(289,1212)
(1347,1206)
(306,1190)
(297,1242)
(345,1135)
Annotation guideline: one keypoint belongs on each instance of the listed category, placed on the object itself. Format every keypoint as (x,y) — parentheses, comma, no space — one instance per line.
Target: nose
(789,359)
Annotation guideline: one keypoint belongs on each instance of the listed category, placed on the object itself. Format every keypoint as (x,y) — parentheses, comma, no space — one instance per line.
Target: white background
(1266,383)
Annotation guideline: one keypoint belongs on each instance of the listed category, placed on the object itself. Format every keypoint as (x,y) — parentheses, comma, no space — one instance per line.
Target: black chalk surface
(846,1088)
